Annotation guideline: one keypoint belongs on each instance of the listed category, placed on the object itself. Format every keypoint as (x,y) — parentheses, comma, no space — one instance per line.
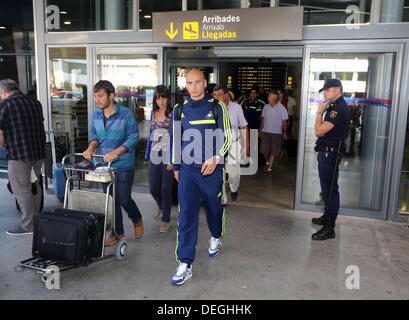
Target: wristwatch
(319,113)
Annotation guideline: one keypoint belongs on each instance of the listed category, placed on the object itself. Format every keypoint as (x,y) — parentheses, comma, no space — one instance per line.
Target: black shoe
(18,231)
(327,232)
(234,196)
(320,221)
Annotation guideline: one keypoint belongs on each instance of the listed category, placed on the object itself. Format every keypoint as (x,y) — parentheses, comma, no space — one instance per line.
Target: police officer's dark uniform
(330,148)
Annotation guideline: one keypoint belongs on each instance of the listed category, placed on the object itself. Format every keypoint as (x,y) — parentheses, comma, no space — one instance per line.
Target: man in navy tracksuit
(198,144)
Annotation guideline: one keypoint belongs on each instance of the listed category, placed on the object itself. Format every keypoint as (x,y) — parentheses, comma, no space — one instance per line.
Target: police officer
(330,146)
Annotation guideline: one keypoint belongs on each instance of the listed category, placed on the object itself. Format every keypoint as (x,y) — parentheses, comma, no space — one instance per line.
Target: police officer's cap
(331,83)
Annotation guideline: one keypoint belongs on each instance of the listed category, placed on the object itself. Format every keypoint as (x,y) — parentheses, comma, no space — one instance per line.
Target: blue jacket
(188,147)
(121,130)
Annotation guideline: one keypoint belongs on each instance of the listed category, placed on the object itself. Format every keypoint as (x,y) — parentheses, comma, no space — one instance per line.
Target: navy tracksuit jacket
(193,140)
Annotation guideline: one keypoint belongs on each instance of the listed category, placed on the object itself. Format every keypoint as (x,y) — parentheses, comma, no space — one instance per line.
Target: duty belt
(325,149)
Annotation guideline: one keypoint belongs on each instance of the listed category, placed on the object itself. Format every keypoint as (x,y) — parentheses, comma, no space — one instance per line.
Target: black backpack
(181,102)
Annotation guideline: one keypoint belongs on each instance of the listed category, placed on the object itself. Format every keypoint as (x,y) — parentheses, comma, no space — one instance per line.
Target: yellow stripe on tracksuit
(202,122)
(227,129)
(177,239)
(173,135)
(224,209)
(223,151)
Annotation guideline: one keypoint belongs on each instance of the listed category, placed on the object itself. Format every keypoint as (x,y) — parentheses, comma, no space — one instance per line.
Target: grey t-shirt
(273,118)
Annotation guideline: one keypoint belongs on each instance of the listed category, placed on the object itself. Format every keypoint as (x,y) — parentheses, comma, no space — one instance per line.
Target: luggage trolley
(92,201)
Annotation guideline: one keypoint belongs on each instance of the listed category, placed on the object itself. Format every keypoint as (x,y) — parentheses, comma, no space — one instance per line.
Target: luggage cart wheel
(44,278)
(18,268)
(121,250)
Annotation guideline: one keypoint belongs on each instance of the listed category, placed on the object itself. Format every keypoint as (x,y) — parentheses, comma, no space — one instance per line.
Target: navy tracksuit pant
(193,187)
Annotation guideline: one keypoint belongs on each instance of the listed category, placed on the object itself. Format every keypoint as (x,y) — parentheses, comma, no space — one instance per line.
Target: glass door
(68,99)
(177,75)
(368,77)
(134,73)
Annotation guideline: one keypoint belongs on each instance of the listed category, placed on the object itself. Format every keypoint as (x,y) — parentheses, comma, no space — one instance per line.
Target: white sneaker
(183,273)
(214,246)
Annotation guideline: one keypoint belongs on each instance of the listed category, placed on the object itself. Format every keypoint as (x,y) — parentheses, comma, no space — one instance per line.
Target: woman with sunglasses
(160,173)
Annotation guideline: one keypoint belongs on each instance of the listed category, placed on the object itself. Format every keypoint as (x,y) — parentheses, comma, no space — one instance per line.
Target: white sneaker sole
(183,281)
(214,253)
(19,234)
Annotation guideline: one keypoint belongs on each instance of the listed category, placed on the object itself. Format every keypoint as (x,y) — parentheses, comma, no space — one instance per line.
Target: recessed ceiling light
(147,16)
(2,27)
(63,12)
(67,22)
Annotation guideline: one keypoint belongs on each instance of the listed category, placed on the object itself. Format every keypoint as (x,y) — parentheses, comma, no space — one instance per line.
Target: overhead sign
(253,24)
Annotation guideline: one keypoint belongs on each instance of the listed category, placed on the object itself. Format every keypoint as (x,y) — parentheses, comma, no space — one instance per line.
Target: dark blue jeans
(326,165)
(123,189)
(161,184)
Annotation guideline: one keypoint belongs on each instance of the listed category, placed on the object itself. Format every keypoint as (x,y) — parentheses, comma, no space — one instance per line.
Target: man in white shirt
(237,122)
(273,129)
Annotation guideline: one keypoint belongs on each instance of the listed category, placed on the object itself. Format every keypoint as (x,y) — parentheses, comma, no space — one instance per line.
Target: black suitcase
(68,236)
(96,228)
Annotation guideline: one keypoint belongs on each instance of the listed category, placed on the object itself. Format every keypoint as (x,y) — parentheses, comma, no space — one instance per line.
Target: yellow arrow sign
(171,34)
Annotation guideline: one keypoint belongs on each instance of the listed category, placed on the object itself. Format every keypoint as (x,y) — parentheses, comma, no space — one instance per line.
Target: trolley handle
(94,155)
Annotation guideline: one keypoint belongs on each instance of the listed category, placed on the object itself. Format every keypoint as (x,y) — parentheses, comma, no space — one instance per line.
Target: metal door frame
(123,49)
(348,47)
(95,50)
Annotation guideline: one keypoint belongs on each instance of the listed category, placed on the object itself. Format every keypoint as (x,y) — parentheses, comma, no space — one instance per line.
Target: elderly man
(22,134)
(273,129)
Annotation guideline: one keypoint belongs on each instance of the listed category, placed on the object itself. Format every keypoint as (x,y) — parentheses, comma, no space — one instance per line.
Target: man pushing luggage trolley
(115,131)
